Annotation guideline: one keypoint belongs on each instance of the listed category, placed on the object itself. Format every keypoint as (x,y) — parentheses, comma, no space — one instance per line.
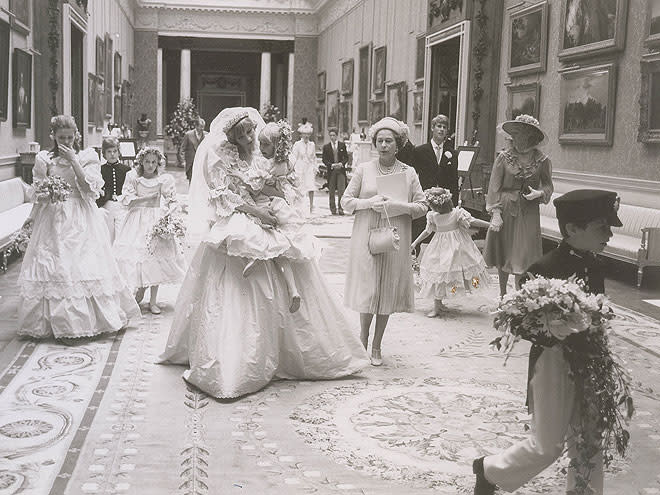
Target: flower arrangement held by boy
(577,388)
(451,262)
(148,257)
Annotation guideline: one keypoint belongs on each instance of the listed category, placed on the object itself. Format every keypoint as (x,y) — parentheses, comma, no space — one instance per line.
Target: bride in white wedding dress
(236,333)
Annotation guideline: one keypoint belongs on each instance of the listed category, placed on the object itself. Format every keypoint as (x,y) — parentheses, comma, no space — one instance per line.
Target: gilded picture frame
(396,100)
(523,98)
(4,70)
(653,24)
(347,72)
(379,70)
(586,32)
(649,103)
(332,103)
(587,115)
(320,86)
(22,89)
(376,110)
(528,40)
(364,81)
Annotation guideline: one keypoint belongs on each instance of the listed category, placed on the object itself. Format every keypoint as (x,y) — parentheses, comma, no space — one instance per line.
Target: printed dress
(452,260)
(140,266)
(235,333)
(518,243)
(69,283)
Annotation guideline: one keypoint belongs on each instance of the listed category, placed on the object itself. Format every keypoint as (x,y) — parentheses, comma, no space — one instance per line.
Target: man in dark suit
(436,164)
(191,141)
(335,158)
(114,174)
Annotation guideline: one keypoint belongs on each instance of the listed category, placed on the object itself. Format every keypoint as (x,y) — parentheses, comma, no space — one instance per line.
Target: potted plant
(183,119)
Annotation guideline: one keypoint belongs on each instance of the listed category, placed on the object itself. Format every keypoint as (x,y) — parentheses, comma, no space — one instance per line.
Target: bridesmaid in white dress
(69,283)
(145,188)
(303,157)
(236,333)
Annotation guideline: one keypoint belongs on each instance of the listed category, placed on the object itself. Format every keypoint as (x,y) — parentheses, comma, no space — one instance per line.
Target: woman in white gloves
(521,178)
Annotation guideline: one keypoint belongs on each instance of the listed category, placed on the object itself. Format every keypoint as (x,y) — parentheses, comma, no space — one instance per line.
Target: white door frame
(462,31)
(69,16)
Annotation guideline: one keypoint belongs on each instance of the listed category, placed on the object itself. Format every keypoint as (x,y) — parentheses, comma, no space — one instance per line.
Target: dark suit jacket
(432,174)
(327,157)
(189,147)
(106,172)
(406,154)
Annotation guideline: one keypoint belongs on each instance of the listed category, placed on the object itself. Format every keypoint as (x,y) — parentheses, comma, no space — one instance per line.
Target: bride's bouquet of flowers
(169,226)
(415,268)
(549,312)
(53,188)
(18,242)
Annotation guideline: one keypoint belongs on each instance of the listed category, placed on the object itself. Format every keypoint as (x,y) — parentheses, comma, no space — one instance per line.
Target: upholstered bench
(635,242)
(15,207)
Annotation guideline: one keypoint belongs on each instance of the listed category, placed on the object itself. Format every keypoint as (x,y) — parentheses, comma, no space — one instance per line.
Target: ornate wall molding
(335,10)
(306,26)
(304,7)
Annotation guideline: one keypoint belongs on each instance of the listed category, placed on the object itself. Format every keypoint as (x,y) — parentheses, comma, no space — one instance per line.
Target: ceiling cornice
(288,7)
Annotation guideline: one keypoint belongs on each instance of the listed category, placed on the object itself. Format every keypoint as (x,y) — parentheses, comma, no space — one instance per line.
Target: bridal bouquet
(53,187)
(169,226)
(20,240)
(548,312)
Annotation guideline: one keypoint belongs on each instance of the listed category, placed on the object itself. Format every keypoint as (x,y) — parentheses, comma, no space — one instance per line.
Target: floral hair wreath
(437,196)
(147,150)
(283,148)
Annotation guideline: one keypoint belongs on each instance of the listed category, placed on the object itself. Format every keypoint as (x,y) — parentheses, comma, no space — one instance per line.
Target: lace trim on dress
(37,289)
(455,276)
(523,171)
(92,167)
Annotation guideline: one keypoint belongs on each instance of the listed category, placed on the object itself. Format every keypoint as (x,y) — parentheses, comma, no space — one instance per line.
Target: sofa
(15,206)
(635,242)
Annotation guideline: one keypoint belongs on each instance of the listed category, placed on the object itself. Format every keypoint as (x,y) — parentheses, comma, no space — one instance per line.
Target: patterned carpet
(101,417)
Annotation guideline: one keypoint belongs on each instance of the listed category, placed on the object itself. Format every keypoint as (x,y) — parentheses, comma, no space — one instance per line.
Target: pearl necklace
(384,172)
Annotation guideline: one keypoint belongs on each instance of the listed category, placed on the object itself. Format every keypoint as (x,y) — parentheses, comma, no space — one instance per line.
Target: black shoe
(333,212)
(341,212)
(482,485)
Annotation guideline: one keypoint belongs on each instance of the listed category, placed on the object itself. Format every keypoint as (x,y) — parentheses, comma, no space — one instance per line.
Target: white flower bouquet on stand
(549,312)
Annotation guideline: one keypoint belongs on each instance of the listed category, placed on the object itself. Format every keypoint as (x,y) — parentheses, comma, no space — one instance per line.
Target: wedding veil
(201,213)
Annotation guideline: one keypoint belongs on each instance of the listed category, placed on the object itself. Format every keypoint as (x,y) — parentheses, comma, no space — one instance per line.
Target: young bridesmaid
(69,283)
(452,260)
(144,262)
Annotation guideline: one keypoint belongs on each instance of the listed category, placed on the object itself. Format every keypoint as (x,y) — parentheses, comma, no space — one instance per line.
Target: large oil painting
(380,65)
(592,27)
(587,99)
(363,83)
(333,108)
(528,39)
(347,78)
(653,16)
(4,69)
(22,89)
(396,100)
(345,117)
(320,86)
(376,110)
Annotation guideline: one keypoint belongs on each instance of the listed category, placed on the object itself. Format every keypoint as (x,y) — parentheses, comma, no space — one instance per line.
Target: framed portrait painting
(380,65)
(117,70)
(418,107)
(100,57)
(108,75)
(320,86)
(91,98)
(524,99)
(363,83)
(587,96)
(591,28)
(396,100)
(320,122)
(376,110)
(22,88)
(528,40)
(345,116)
(332,101)
(347,78)
(4,69)
(653,23)
(649,103)
(20,20)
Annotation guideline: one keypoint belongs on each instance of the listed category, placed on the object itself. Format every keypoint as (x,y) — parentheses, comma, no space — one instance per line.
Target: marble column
(289,89)
(185,73)
(264,90)
(159,92)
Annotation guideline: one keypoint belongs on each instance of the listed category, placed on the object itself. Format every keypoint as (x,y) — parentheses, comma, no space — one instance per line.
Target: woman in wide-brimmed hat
(521,178)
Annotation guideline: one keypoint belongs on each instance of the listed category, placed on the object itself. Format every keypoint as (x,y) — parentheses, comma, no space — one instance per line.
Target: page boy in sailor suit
(585,219)
(113,173)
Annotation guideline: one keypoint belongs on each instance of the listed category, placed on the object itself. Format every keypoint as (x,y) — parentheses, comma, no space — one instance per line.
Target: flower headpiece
(146,151)
(527,119)
(437,196)
(234,120)
(283,148)
(305,128)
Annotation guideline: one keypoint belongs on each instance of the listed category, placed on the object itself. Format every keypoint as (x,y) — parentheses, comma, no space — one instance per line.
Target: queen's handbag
(384,239)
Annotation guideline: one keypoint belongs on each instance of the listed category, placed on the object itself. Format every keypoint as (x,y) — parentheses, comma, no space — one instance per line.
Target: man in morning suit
(113,173)
(335,158)
(191,141)
(436,164)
